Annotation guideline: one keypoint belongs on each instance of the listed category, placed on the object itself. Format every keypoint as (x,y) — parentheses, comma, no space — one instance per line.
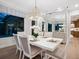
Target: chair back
(48,34)
(16,40)
(25,45)
(60,51)
(61,35)
(20,34)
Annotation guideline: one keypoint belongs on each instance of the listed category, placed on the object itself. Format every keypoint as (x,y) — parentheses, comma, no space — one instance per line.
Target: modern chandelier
(35,12)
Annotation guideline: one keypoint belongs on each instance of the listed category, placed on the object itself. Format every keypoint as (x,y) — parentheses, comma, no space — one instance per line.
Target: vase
(35,39)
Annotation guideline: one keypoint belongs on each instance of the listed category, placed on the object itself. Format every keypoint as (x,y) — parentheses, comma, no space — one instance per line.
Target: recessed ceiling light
(59,9)
(76,5)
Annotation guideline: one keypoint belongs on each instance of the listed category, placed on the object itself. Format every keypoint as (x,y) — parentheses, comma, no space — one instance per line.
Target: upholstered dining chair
(57,54)
(29,50)
(60,35)
(15,36)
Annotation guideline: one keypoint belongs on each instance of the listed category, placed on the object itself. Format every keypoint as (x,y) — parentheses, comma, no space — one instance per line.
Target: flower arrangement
(36,30)
(35,33)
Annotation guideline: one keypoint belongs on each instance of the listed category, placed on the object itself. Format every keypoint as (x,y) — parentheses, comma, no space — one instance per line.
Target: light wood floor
(10,53)
(73,50)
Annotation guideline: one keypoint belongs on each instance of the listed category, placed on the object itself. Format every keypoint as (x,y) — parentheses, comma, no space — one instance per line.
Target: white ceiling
(43,5)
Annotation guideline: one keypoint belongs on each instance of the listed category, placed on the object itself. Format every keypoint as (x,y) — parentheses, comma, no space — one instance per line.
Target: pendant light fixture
(35,12)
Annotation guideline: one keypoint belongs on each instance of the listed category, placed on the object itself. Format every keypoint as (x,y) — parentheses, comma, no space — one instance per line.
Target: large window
(10,24)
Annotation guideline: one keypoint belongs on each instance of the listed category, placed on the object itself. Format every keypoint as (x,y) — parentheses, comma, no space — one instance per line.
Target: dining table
(49,44)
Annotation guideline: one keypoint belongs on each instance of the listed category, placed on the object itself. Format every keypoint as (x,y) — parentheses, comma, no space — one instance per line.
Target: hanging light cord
(35,4)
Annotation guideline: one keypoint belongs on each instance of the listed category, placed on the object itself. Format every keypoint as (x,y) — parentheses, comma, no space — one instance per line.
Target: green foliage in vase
(35,35)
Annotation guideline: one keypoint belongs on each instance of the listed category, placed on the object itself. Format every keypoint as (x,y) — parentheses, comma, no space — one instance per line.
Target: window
(33,23)
(59,27)
(42,26)
(49,27)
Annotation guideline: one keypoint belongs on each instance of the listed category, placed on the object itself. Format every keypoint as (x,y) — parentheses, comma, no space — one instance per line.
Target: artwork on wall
(49,27)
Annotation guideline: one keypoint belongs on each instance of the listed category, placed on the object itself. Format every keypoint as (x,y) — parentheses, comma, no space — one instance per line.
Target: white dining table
(47,43)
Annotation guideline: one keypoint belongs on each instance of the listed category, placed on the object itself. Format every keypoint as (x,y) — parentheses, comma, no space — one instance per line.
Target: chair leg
(20,55)
(41,55)
(23,56)
(30,58)
(45,57)
(49,56)
(16,51)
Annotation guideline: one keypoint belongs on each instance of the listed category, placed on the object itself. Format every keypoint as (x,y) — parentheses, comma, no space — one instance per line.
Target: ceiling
(43,5)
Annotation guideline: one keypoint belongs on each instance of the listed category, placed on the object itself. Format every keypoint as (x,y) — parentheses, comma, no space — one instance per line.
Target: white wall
(75,12)
(27,26)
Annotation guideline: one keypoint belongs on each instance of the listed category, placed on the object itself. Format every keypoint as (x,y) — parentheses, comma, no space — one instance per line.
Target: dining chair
(48,34)
(60,35)
(29,51)
(57,54)
(15,36)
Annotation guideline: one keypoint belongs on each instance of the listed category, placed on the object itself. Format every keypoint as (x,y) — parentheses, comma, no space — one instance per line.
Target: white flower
(36,31)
